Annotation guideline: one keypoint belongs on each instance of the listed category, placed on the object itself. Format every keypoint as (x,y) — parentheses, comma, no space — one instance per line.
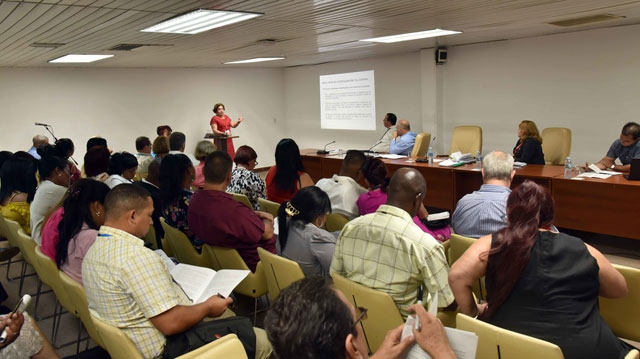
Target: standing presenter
(221,124)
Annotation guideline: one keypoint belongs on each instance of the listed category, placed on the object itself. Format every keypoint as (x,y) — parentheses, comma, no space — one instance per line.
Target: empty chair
(383,314)
(466,139)
(623,314)
(279,272)
(269,206)
(78,297)
(422,144)
(227,347)
(556,145)
(487,335)
(181,246)
(335,222)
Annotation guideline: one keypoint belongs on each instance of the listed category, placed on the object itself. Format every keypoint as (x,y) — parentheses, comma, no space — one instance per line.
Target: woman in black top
(528,149)
(540,282)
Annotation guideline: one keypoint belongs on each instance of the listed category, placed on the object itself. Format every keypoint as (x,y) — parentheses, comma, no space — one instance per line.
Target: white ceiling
(306,31)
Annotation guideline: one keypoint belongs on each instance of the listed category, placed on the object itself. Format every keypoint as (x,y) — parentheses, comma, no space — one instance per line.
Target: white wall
(121,104)
(586,81)
(397,81)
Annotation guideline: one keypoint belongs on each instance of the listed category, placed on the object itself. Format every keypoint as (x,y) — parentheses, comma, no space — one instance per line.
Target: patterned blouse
(176,215)
(248,183)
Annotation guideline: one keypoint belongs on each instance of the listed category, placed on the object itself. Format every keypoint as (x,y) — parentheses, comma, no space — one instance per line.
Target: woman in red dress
(221,124)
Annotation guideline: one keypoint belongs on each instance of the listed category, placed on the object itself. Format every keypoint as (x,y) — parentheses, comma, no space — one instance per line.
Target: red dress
(224,124)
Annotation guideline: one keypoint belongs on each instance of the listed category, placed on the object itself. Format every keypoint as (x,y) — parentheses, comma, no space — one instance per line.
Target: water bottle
(568,168)
(430,155)
(478,160)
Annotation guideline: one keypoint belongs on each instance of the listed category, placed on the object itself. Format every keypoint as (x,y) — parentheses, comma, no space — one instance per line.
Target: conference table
(608,206)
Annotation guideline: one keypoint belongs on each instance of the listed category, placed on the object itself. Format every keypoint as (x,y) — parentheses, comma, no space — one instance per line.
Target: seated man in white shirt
(383,143)
(343,188)
(177,142)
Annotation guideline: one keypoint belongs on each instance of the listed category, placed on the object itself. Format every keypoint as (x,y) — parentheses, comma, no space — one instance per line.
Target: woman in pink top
(221,124)
(376,176)
(83,216)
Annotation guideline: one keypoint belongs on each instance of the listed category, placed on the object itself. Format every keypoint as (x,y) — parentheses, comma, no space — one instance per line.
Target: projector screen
(348,101)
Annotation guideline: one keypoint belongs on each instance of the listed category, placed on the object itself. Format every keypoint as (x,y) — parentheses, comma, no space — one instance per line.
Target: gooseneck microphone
(325,152)
(41,124)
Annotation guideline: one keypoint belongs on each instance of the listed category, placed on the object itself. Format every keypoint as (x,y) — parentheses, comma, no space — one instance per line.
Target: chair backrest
(422,144)
(50,275)
(519,346)
(623,314)
(335,222)
(115,341)
(254,285)
(3,229)
(150,238)
(556,145)
(79,299)
(457,246)
(181,246)
(279,272)
(227,347)
(383,314)
(26,245)
(487,335)
(242,199)
(466,139)
(269,206)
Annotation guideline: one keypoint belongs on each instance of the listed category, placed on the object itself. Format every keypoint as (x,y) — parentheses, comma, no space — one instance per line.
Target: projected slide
(348,101)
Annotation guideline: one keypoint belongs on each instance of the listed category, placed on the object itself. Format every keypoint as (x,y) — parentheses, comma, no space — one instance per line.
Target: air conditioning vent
(585,20)
(129,47)
(50,45)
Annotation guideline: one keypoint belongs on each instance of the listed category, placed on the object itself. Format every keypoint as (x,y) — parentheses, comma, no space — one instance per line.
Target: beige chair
(116,342)
(466,139)
(383,314)
(4,232)
(254,285)
(269,206)
(279,272)
(487,335)
(26,245)
(422,144)
(556,145)
(335,222)
(150,238)
(519,346)
(227,347)
(457,246)
(181,246)
(623,314)
(78,297)
(633,354)
(242,199)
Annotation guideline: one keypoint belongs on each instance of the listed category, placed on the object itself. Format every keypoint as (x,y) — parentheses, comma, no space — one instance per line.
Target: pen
(220,296)
(420,293)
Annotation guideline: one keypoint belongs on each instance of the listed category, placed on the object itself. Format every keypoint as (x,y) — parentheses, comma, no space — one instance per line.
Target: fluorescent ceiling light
(74,58)
(200,20)
(413,36)
(255,59)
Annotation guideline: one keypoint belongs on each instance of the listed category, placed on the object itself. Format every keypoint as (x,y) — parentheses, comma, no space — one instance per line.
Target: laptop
(634,171)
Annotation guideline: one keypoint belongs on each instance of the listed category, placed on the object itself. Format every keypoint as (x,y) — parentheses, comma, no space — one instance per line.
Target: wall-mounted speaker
(441,55)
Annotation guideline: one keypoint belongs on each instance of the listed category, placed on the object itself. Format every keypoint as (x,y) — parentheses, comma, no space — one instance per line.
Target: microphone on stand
(325,152)
(374,145)
(41,124)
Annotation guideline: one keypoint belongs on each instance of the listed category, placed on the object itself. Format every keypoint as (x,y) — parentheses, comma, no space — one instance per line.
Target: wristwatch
(613,166)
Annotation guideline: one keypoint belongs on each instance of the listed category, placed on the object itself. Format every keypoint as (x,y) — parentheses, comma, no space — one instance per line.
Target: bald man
(129,286)
(388,252)
(403,139)
(38,141)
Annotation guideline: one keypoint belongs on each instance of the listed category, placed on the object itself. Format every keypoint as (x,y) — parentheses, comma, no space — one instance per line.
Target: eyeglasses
(362,316)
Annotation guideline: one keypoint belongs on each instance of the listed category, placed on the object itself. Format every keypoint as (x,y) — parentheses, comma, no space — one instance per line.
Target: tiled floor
(620,251)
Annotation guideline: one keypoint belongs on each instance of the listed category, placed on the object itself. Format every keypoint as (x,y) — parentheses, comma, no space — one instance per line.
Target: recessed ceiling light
(413,36)
(200,20)
(73,58)
(255,59)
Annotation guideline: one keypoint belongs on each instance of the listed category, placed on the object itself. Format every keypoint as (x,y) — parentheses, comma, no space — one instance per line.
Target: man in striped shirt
(485,210)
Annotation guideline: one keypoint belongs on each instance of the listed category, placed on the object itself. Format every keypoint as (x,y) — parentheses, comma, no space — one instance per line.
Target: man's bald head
(40,140)
(403,127)
(407,190)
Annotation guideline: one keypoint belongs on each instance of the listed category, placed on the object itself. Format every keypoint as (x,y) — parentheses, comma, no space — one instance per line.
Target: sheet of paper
(391,156)
(594,168)
(224,281)
(192,279)
(167,261)
(594,175)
